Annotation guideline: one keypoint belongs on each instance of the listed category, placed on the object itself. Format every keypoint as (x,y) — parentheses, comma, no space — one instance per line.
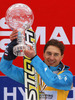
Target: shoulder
(67,71)
(66,74)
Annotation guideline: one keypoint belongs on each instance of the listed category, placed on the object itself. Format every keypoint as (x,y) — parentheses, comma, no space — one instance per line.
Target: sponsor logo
(12,90)
(31,78)
(40,33)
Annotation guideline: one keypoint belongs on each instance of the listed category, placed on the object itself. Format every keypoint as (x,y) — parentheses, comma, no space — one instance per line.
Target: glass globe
(18,16)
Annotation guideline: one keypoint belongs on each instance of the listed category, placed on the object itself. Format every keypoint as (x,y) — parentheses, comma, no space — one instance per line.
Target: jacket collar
(60,67)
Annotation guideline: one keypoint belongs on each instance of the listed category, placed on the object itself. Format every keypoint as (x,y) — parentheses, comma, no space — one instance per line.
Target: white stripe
(1,54)
(5,33)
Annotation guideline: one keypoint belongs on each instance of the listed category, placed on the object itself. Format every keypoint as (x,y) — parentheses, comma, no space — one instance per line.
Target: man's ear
(44,55)
(62,56)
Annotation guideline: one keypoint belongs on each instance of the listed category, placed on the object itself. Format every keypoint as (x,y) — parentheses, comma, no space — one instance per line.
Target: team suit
(57,81)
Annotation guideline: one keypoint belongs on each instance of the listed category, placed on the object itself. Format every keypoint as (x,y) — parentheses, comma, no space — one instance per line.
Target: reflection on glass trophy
(19,16)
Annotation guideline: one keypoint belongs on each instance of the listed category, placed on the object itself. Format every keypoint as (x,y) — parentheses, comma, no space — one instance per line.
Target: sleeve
(11,70)
(62,81)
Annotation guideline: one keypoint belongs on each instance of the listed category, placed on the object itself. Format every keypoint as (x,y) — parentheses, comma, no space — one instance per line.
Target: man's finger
(31,48)
(13,35)
(13,38)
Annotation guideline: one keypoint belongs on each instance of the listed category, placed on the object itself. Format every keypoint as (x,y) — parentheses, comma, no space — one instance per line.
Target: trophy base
(18,50)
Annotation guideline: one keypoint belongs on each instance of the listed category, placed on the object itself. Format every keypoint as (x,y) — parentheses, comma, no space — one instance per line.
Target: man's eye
(56,54)
(49,53)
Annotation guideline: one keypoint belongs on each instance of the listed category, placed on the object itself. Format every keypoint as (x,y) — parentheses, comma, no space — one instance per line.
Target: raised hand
(13,35)
(30,53)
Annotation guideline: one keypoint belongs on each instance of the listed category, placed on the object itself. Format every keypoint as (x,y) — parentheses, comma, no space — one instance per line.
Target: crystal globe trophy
(19,16)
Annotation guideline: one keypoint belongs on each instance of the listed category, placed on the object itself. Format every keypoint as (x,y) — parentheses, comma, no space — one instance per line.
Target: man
(57,79)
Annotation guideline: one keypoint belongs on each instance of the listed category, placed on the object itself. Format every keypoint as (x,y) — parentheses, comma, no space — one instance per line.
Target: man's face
(52,56)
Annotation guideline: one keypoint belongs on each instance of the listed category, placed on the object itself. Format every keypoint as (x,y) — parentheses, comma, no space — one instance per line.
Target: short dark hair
(56,43)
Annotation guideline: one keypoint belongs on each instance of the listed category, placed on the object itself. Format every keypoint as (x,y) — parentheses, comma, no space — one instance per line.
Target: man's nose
(51,57)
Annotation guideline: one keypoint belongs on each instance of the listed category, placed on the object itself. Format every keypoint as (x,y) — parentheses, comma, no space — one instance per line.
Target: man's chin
(51,64)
